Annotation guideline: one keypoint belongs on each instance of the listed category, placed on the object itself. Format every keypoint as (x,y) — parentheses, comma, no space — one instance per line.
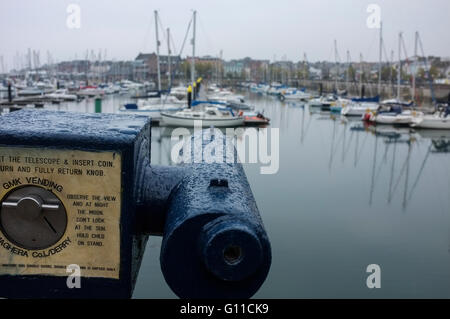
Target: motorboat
(255,118)
(209,116)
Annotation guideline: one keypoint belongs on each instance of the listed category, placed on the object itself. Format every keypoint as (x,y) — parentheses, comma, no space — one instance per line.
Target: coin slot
(32,217)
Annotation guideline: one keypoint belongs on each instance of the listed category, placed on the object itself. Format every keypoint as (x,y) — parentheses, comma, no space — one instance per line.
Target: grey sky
(260,29)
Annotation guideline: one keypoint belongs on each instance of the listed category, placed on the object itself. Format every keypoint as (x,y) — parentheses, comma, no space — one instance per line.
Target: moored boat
(255,118)
(358,109)
(438,120)
(210,116)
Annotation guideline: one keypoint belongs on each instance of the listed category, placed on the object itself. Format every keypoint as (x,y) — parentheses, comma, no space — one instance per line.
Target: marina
(252,160)
(337,173)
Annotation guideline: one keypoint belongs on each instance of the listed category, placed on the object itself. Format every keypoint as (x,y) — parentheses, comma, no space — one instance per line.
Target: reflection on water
(346,195)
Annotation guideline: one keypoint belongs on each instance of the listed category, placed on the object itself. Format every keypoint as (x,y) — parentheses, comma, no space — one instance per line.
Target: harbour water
(345,196)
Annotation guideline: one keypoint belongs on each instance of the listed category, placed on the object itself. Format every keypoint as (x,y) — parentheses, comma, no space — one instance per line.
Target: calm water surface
(345,196)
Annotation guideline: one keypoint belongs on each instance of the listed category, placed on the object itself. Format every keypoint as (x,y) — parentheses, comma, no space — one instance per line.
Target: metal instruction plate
(38,236)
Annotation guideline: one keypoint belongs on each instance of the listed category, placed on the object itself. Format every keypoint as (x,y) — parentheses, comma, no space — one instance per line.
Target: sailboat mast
(348,70)
(337,70)
(169,74)
(391,78)
(220,67)
(157,51)
(193,50)
(360,73)
(399,71)
(305,68)
(380,58)
(413,93)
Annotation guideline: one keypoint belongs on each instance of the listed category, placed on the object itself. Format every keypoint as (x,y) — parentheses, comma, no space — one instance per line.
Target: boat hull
(172,120)
(438,123)
(393,120)
(357,110)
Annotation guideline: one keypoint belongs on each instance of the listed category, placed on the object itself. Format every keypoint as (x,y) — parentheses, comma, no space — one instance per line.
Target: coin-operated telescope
(78,190)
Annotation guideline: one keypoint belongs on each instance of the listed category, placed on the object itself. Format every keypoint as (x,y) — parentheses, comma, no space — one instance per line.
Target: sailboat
(441,118)
(438,120)
(391,111)
(210,114)
(357,106)
(153,106)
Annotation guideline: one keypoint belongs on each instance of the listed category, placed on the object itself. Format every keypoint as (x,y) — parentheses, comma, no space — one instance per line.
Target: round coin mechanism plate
(32,218)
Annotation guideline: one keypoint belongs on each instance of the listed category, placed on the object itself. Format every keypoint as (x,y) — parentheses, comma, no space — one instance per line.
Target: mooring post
(9,92)
(98,104)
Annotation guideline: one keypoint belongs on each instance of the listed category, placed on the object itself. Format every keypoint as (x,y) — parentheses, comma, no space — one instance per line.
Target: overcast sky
(259,29)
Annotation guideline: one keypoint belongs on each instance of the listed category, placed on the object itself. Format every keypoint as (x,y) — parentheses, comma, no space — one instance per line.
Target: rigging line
(433,97)
(208,39)
(162,28)
(185,37)
(406,55)
(147,35)
(174,47)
